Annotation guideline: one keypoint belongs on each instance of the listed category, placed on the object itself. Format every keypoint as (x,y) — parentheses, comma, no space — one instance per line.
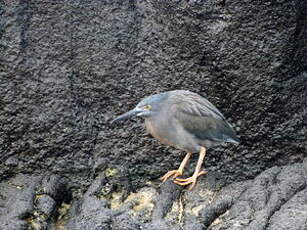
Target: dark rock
(193,223)
(24,204)
(13,224)
(55,186)
(125,222)
(17,198)
(90,212)
(45,204)
(99,59)
(292,213)
(254,204)
(227,197)
(67,68)
(12,161)
(169,193)
(259,202)
(159,225)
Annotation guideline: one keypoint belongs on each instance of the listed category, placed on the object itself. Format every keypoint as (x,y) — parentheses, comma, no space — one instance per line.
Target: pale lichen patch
(142,200)
(110,172)
(140,203)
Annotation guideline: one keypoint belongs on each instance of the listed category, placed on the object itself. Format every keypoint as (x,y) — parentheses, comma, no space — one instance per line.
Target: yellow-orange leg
(192,180)
(179,171)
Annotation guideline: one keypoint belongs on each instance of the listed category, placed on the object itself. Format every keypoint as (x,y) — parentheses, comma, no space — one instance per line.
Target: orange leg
(192,180)
(179,171)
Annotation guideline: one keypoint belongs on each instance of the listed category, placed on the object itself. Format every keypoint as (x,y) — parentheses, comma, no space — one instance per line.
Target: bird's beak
(131,113)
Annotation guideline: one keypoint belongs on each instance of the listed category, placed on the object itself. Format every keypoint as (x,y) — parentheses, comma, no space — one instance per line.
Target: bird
(184,120)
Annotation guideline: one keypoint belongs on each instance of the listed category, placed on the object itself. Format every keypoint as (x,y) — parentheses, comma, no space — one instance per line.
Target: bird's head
(148,107)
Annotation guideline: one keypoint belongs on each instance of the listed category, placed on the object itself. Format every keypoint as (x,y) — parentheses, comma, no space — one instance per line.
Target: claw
(182,179)
(174,173)
(191,180)
(187,179)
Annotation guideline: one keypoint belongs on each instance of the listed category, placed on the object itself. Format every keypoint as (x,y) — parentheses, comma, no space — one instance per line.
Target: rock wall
(68,67)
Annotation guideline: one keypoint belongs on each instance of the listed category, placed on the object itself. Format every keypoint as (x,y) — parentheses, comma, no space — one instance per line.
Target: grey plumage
(202,119)
(184,120)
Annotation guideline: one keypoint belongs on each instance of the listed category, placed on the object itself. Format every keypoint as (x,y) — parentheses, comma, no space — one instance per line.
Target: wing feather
(201,118)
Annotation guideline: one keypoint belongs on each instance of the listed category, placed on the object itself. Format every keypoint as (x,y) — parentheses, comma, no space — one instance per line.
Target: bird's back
(201,118)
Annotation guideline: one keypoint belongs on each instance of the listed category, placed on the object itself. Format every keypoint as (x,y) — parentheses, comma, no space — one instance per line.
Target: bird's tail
(237,141)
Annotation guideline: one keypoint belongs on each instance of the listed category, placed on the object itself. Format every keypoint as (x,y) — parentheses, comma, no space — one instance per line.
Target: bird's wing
(195,105)
(202,119)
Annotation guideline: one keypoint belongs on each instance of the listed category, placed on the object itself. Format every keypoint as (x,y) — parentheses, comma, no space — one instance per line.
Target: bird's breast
(158,132)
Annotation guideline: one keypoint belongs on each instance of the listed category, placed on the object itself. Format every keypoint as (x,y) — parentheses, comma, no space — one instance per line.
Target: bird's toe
(182,179)
(174,173)
(190,180)
(187,181)
(203,172)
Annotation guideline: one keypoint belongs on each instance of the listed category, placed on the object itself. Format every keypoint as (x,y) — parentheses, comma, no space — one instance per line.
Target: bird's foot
(174,173)
(190,180)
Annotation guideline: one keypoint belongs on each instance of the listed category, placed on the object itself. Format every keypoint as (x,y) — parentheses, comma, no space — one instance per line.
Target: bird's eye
(147,107)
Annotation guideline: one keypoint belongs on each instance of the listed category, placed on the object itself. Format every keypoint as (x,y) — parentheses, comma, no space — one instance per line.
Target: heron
(187,121)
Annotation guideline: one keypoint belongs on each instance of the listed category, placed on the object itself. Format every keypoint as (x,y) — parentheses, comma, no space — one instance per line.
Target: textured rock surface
(31,202)
(275,199)
(66,68)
